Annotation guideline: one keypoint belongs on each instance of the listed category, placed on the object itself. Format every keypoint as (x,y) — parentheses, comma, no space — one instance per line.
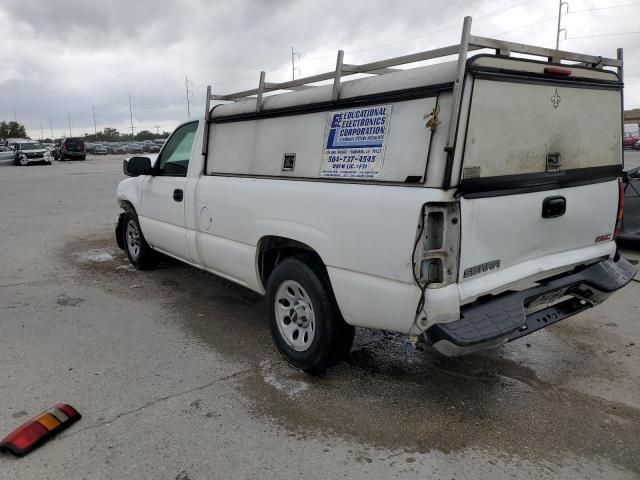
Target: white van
(472,202)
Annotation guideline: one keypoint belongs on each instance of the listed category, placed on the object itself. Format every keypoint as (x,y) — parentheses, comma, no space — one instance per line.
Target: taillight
(436,248)
(39,429)
(557,71)
(620,214)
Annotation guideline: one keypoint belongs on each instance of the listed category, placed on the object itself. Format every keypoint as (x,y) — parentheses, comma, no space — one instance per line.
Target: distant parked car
(6,152)
(95,149)
(629,232)
(636,146)
(151,148)
(629,140)
(135,148)
(116,149)
(69,149)
(26,153)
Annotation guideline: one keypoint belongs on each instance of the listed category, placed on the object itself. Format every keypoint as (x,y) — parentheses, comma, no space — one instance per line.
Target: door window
(174,159)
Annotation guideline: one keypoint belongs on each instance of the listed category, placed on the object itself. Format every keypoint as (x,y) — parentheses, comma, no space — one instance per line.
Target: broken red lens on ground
(39,429)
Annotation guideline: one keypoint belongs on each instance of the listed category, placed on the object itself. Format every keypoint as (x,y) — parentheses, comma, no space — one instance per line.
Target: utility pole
(186,84)
(41,131)
(69,118)
(51,126)
(157,127)
(560,4)
(95,128)
(294,54)
(131,114)
(15,117)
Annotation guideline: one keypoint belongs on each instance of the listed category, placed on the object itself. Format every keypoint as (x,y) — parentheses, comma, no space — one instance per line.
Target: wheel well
(124,204)
(273,249)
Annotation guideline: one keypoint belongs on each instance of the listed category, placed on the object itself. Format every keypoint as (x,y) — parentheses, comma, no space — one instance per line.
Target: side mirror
(136,166)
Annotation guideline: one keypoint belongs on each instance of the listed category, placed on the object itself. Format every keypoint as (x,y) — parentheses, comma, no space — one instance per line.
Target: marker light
(39,429)
(557,71)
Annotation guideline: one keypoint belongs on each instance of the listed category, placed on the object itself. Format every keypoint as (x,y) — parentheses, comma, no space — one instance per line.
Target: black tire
(332,338)
(142,257)
(83,158)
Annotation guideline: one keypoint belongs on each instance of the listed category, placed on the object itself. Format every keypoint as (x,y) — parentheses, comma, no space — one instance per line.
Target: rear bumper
(72,154)
(512,315)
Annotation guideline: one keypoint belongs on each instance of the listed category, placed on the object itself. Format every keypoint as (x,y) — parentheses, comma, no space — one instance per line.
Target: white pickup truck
(472,202)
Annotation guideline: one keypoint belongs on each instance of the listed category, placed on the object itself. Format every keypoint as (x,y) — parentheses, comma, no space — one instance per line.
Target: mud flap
(120,231)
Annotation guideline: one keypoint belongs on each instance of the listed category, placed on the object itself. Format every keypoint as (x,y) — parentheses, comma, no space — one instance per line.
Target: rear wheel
(304,319)
(138,250)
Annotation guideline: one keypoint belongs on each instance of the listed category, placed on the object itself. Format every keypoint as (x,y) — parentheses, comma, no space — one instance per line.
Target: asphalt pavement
(176,378)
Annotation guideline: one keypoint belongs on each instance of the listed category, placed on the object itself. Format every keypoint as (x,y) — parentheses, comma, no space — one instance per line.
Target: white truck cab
(472,202)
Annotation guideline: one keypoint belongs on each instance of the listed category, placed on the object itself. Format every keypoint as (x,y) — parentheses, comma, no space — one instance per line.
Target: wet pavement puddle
(514,399)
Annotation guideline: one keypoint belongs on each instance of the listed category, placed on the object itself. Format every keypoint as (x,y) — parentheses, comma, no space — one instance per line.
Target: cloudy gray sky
(61,57)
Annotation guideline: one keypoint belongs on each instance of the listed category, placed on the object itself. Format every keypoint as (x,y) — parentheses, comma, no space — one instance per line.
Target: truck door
(162,205)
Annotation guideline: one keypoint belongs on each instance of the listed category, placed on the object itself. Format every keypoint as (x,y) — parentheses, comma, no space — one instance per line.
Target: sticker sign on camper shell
(355,142)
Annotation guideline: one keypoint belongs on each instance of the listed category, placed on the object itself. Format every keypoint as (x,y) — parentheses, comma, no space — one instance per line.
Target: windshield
(30,146)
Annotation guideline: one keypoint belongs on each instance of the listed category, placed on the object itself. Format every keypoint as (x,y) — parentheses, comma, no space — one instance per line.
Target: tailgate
(539,173)
(506,239)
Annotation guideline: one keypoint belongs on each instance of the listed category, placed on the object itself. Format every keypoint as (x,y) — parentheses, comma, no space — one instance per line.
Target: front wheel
(304,319)
(23,160)
(138,250)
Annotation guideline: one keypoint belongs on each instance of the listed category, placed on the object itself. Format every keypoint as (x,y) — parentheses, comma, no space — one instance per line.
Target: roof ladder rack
(467,44)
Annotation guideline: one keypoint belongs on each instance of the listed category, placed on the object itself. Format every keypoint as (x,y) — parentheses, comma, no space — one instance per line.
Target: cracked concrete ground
(174,372)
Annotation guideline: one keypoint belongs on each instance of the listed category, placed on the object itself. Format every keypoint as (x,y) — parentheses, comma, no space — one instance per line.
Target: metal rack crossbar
(467,44)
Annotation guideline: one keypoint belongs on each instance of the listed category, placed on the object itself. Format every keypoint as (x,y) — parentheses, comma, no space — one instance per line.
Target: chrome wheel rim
(23,160)
(133,239)
(295,316)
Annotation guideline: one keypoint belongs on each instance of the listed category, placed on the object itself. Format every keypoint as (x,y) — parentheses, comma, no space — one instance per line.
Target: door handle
(554,207)
(178,194)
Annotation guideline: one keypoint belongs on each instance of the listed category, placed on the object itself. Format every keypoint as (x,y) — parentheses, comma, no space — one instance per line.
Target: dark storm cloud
(63,56)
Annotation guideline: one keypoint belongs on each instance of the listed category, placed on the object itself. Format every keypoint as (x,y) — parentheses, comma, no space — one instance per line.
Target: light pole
(559,17)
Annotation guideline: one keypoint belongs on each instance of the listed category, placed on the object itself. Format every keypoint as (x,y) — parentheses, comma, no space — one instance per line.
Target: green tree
(107,135)
(12,130)
(145,135)
(110,134)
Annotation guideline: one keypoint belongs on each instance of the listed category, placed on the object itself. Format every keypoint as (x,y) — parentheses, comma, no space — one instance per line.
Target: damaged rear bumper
(507,317)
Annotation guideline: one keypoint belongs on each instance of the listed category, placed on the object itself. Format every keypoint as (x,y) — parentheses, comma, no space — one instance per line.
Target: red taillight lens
(68,410)
(38,430)
(557,71)
(620,214)
(29,434)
